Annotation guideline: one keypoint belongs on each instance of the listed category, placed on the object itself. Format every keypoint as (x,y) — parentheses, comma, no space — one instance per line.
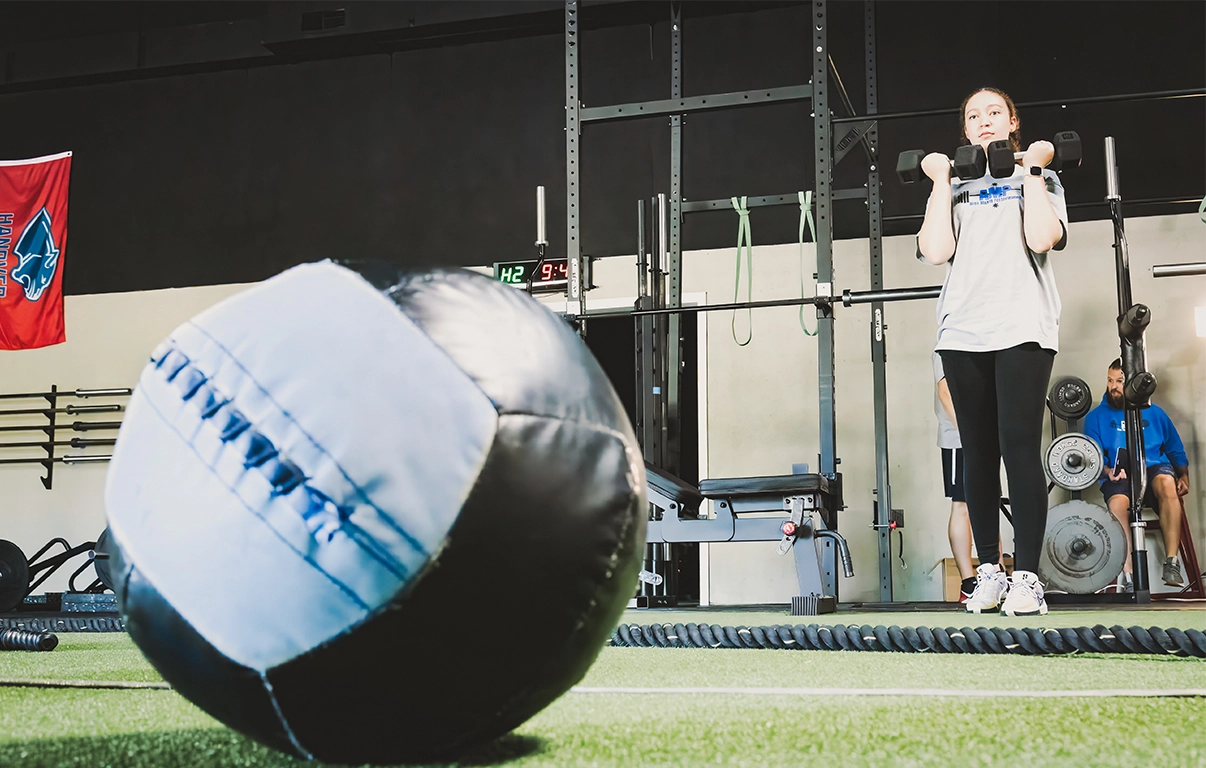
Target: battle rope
(1020,640)
(23,640)
(67,624)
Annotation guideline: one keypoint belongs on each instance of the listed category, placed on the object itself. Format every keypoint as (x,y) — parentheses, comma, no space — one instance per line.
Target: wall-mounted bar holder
(51,426)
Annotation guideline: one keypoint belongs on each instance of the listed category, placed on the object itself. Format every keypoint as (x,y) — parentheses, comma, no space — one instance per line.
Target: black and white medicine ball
(368,514)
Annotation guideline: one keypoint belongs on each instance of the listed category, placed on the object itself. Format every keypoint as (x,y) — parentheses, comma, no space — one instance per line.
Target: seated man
(1167,469)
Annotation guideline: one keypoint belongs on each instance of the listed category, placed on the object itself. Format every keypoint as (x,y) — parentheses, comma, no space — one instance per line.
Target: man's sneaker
(1172,572)
(1025,596)
(966,588)
(1119,585)
(991,586)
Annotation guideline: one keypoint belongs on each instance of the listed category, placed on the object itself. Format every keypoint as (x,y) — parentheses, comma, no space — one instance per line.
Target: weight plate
(1070,398)
(1084,548)
(100,560)
(1073,461)
(14,576)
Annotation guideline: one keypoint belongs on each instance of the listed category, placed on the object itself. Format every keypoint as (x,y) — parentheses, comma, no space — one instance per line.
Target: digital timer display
(547,275)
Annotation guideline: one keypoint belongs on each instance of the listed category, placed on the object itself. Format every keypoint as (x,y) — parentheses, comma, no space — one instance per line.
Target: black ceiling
(927,53)
(1050,56)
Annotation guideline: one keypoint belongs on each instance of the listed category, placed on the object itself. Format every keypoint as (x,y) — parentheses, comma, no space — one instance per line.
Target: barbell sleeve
(1179,270)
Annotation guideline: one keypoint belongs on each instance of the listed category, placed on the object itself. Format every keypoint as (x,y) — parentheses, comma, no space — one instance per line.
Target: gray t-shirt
(948,436)
(998,293)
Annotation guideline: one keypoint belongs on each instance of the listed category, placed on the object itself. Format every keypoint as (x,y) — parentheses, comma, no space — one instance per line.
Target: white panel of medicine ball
(385,433)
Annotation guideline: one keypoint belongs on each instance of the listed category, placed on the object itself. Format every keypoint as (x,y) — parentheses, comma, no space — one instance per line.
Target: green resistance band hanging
(743,238)
(805,217)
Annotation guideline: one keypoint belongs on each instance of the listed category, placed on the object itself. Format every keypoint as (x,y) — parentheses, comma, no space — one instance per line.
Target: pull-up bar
(849,298)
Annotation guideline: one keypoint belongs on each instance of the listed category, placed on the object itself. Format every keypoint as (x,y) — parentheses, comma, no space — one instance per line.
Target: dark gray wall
(214,142)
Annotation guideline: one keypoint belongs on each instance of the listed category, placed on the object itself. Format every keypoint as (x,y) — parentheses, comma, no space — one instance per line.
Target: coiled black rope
(24,640)
(65,624)
(840,637)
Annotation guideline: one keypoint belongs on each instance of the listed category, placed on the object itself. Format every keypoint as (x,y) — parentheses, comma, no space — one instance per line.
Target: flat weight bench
(806,510)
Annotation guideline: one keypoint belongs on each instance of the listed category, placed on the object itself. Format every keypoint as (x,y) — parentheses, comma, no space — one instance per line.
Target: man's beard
(1115,401)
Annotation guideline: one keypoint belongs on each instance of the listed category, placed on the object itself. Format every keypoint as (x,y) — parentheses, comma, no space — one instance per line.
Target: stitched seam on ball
(342,587)
(321,514)
(360,492)
(280,717)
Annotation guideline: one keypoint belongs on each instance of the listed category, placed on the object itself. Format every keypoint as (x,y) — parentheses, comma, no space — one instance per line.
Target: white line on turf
(118,684)
(932,692)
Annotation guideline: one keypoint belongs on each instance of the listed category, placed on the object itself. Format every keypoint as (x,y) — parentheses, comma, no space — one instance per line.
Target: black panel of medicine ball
(534,576)
(525,358)
(229,691)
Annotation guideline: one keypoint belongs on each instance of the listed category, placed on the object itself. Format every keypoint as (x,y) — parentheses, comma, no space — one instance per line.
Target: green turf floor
(151,728)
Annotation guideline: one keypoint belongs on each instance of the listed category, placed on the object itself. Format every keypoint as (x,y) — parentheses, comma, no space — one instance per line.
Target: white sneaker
(1025,596)
(991,586)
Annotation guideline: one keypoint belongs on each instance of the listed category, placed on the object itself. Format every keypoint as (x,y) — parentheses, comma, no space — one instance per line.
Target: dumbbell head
(1067,150)
(969,162)
(1001,159)
(908,165)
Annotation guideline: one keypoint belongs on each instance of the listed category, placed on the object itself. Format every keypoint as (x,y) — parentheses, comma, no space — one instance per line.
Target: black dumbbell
(969,163)
(1002,159)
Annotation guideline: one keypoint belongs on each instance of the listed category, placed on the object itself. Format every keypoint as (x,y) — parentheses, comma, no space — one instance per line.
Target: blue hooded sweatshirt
(1161,443)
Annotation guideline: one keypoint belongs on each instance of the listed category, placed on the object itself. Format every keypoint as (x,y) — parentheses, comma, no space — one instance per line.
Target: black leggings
(999,399)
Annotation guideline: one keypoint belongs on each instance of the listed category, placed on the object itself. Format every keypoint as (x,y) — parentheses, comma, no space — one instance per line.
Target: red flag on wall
(33,241)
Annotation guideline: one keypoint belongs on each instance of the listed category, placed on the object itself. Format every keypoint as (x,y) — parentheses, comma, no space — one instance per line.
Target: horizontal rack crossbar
(690,104)
(696,206)
(1183,93)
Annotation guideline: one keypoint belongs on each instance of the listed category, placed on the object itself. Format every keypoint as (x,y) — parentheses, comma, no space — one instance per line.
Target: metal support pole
(674,268)
(642,260)
(649,366)
(1132,319)
(661,323)
(821,147)
(823,155)
(879,353)
(573,247)
(542,239)
(650,330)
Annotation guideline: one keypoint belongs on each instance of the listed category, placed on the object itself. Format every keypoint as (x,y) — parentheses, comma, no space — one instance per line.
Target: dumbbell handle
(1065,151)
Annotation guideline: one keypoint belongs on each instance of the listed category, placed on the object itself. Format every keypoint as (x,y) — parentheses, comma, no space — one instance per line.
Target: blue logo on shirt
(994,195)
(993,192)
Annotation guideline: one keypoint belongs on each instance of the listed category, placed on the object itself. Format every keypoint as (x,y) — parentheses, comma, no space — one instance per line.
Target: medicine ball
(367,514)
